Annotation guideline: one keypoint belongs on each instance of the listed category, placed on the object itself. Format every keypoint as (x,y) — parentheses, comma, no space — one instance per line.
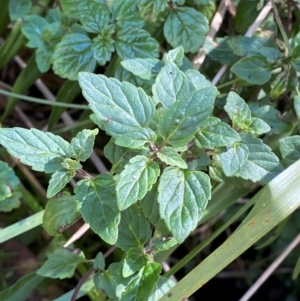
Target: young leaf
(290,149)
(182,120)
(75,8)
(59,213)
(134,260)
(99,262)
(182,196)
(261,165)
(134,229)
(143,68)
(175,56)
(254,70)
(33,29)
(169,156)
(94,17)
(215,133)
(141,287)
(120,107)
(233,158)
(58,181)
(258,127)
(238,111)
(98,205)
(61,264)
(42,151)
(103,46)
(136,139)
(149,10)
(43,57)
(135,180)
(272,117)
(171,84)
(186,27)
(135,42)
(83,144)
(73,54)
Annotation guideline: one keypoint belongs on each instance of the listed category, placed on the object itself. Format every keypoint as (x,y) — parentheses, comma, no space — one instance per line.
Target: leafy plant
(180,150)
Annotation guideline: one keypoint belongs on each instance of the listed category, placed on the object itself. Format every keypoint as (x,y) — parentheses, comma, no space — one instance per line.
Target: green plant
(181,150)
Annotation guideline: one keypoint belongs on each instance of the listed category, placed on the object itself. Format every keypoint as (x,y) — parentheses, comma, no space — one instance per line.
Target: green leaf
(98,205)
(290,149)
(73,54)
(175,56)
(135,180)
(8,181)
(182,120)
(149,206)
(245,46)
(254,70)
(99,262)
(136,139)
(150,10)
(233,158)
(143,68)
(198,80)
(258,127)
(169,156)
(215,133)
(59,180)
(134,229)
(163,244)
(75,8)
(124,75)
(272,117)
(59,213)
(103,45)
(132,42)
(19,8)
(62,263)
(94,17)
(261,165)
(32,29)
(296,58)
(163,285)
(42,151)
(117,155)
(71,164)
(119,107)
(141,287)
(186,27)
(83,144)
(221,53)
(43,57)
(134,260)
(171,85)
(126,14)
(297,105)
(182,196)
(110,279)
(238,111)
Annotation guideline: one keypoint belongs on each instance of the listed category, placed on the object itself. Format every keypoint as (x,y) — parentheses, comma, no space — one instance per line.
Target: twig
(270,270)
(281,28)
(214,28)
